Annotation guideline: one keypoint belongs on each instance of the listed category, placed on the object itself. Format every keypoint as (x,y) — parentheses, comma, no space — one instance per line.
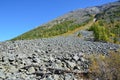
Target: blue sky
(20,16)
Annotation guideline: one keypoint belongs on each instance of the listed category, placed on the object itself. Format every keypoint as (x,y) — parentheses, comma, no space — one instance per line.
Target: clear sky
(20,16)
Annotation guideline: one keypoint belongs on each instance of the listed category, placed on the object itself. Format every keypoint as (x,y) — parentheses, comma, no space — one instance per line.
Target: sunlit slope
(107,25)
(107,15)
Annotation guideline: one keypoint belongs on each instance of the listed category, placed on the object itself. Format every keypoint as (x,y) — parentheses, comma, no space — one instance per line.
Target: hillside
(73,20)
(80,45)
(108,24)
(70,21)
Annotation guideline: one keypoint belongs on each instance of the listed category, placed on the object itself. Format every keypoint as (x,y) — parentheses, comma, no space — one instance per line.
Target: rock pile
(41,66)
(59,58)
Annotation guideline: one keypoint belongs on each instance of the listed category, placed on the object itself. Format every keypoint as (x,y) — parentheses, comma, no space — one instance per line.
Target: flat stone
(13,69)
(23,76)
(56,77)
(51,58)
(31,70)
(76,57)
(68,77)
(83,59)
(57,66)
(71,64)
(50,78)
(37,51)
(2,74)
(11,58)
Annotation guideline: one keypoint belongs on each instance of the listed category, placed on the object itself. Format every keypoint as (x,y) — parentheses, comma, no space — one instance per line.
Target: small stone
(8,74)
(51,58)
(68,77)
(2,68)
(58,66)
(37,51)
(13,77)
(81,54)
(76,57)
(2,75)
(13,69)
(50,78)
(35,60)
(58,61)
(31,70)
(71,64)
(75,78)
(82,59)
(20,66)
(23,76)
(56,77)
(11,58)
(21,56)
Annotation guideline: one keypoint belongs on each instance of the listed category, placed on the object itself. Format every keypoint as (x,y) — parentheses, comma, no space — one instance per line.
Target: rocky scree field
(59,58)
(46,54)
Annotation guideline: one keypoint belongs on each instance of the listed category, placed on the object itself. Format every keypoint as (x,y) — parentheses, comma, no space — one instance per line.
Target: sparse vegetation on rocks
(108,32)
(55,30)
(105,67)
(67,57)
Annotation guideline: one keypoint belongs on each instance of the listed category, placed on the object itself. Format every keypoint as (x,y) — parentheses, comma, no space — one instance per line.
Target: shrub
(79,34)
(108,32)
(105,67)
(100,32)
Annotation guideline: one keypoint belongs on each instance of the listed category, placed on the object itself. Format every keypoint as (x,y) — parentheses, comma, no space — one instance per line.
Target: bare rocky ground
(58,58)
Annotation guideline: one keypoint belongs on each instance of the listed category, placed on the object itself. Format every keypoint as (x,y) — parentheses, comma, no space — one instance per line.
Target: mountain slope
(73,20)
(107,25)
(71,54)
(84,27)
